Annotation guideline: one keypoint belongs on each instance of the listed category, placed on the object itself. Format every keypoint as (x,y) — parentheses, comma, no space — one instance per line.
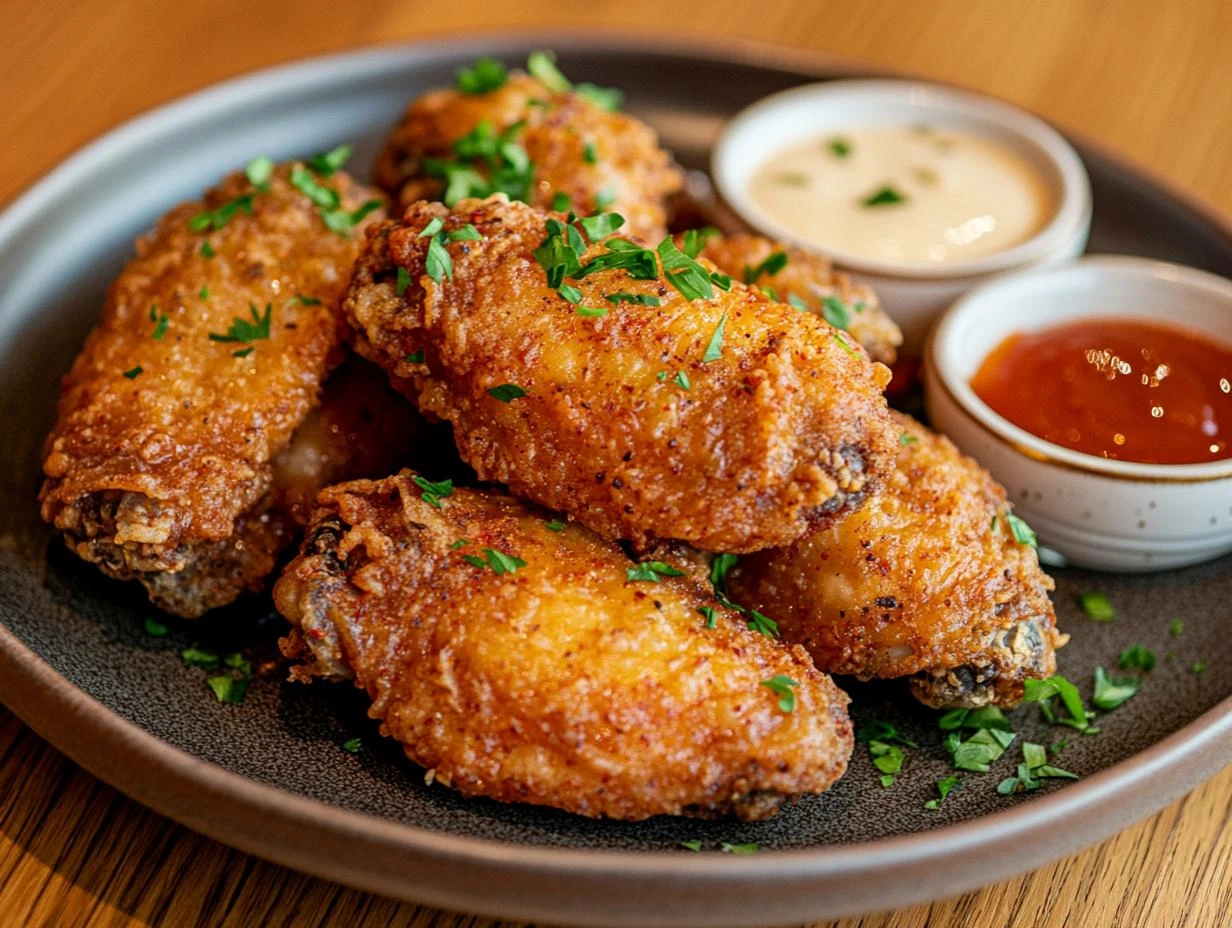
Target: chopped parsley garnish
(691,845)
(135,372)
(1021,531)
(842,342)
(196,657)
(1198,667)
(884,196)
(743,849)
(506,167)
(560,202)
(636,261)
(161,321)
(1110,693)
(835,312)
(907,438)
(684,273)
(592,311)
(783,687)
(719,569)
(352,745)
(415,357)
(543,66)
(242,330)
(460,543)
(944,788)
(242,352)
(259,171)
(978,752)
(1137,657)
(888,758)
(606,98)
(217,218)
(403,281)
(773,263)
(1035,767)
(879,730)
(986,717)
(204,292)
(207,250)
(695,240)
(641,299)
(1042,691)
(507,392)
(500,562)
(589,155)
(651,572)
(484,76)
(555,526)
(840,148)
(1176,628)
(1096,606)
(305,182)
(325,163)
(437,262)
(709,613)
(797,303)
(155,628)
(601,225)
(433,492)
(762,624)
(682,381)
(714,350)
(231,685)
(340,222)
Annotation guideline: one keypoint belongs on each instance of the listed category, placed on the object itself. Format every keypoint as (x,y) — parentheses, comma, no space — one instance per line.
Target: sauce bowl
(1099,513)
(913,294)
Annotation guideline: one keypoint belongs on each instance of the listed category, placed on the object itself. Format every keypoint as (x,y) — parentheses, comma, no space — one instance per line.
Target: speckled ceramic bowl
(914,295)
(1103,514)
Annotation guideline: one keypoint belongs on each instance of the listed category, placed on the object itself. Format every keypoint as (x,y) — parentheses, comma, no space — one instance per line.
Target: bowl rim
(1071,215)
(984,298)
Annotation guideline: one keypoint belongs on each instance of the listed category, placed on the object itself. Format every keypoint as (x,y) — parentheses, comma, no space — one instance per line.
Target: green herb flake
(542,65)
(1176,628)
(1137,657)
(438,263)
(322,197)
(560,202)
(888,780)
(433,492)
(839,147)
(650,572)
(783,687)
(204,292)
(213,220)
(155,628)
(196,657)
(773,263)
(944,788)
(352,746)
(1021,531)
(741,849)
(1042,691)
(907,438)
(589,155)
(606,98)
(460,543)
(325,163)
(484,76)
(695,239)
(842,342)
(977,753)
(243,330)
(340,222)
(682,380)
(1096,606)
(259,171)
(403,281)
(475,561)
(601,225)
(684,273)
(415,357)
(242,352)
(161,321)
(886,757)
(1109,692)
(714,350)
(502,563)
(593,312)
(710,614)
(640,299)
(797,303)
(207,250)
(507,392)
(134,372)
(1198,667)
(762,624)
(228,688)
(555,526)
(879,730)
(884,196)
(835,312)
(720,567)
(694,846)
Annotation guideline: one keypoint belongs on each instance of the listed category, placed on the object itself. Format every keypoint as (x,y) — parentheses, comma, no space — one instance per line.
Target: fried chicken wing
(527,660)
(811,279)
(210,352)
(533,143)
(926,581)
(728,420)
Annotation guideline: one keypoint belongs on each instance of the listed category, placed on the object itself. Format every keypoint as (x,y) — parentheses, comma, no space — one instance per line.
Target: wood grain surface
(1149,80)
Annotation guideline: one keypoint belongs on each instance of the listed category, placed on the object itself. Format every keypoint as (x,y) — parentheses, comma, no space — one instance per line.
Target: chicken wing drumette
(528,661)
(535,139)
(586,379)
(931,580)
(808,280)
(211,351)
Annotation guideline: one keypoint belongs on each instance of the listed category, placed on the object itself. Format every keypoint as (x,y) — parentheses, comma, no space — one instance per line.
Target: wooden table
(1150,80)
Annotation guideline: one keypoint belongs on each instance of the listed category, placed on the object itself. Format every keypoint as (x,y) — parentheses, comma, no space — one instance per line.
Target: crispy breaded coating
(210,352)
(514,658)
(731,422)
(925,581)
(599,159)
(812,279)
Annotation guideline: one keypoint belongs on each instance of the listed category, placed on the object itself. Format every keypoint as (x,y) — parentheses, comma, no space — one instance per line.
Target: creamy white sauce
(962,195)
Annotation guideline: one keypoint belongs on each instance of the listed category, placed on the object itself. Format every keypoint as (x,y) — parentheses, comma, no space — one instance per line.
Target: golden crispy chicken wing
(533,143)
(527,660)
(211,350)
(926,581)
(726,420)
(811,279)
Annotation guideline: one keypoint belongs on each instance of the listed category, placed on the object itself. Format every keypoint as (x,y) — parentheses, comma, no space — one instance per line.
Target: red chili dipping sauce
(1118,388)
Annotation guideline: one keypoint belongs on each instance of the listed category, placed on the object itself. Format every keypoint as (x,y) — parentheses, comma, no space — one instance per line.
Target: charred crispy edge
(329,573)
(857,482)
(1023,651)
(91,522)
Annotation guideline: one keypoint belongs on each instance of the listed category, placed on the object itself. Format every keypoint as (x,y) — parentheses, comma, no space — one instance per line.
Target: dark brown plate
(270,777)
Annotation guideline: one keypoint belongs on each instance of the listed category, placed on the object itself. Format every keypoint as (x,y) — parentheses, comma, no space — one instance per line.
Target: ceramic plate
(269,776)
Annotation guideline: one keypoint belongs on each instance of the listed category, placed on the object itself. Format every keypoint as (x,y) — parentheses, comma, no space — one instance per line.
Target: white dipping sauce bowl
(913,295)
(1099,513)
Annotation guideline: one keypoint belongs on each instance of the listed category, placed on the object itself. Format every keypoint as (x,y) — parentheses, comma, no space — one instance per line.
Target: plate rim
(64,713)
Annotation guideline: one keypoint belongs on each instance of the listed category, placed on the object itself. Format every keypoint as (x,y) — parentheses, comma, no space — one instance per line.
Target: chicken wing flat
(534,141)
(933,579)
(581,378)
(808,280)
(527,660)
(211,350)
